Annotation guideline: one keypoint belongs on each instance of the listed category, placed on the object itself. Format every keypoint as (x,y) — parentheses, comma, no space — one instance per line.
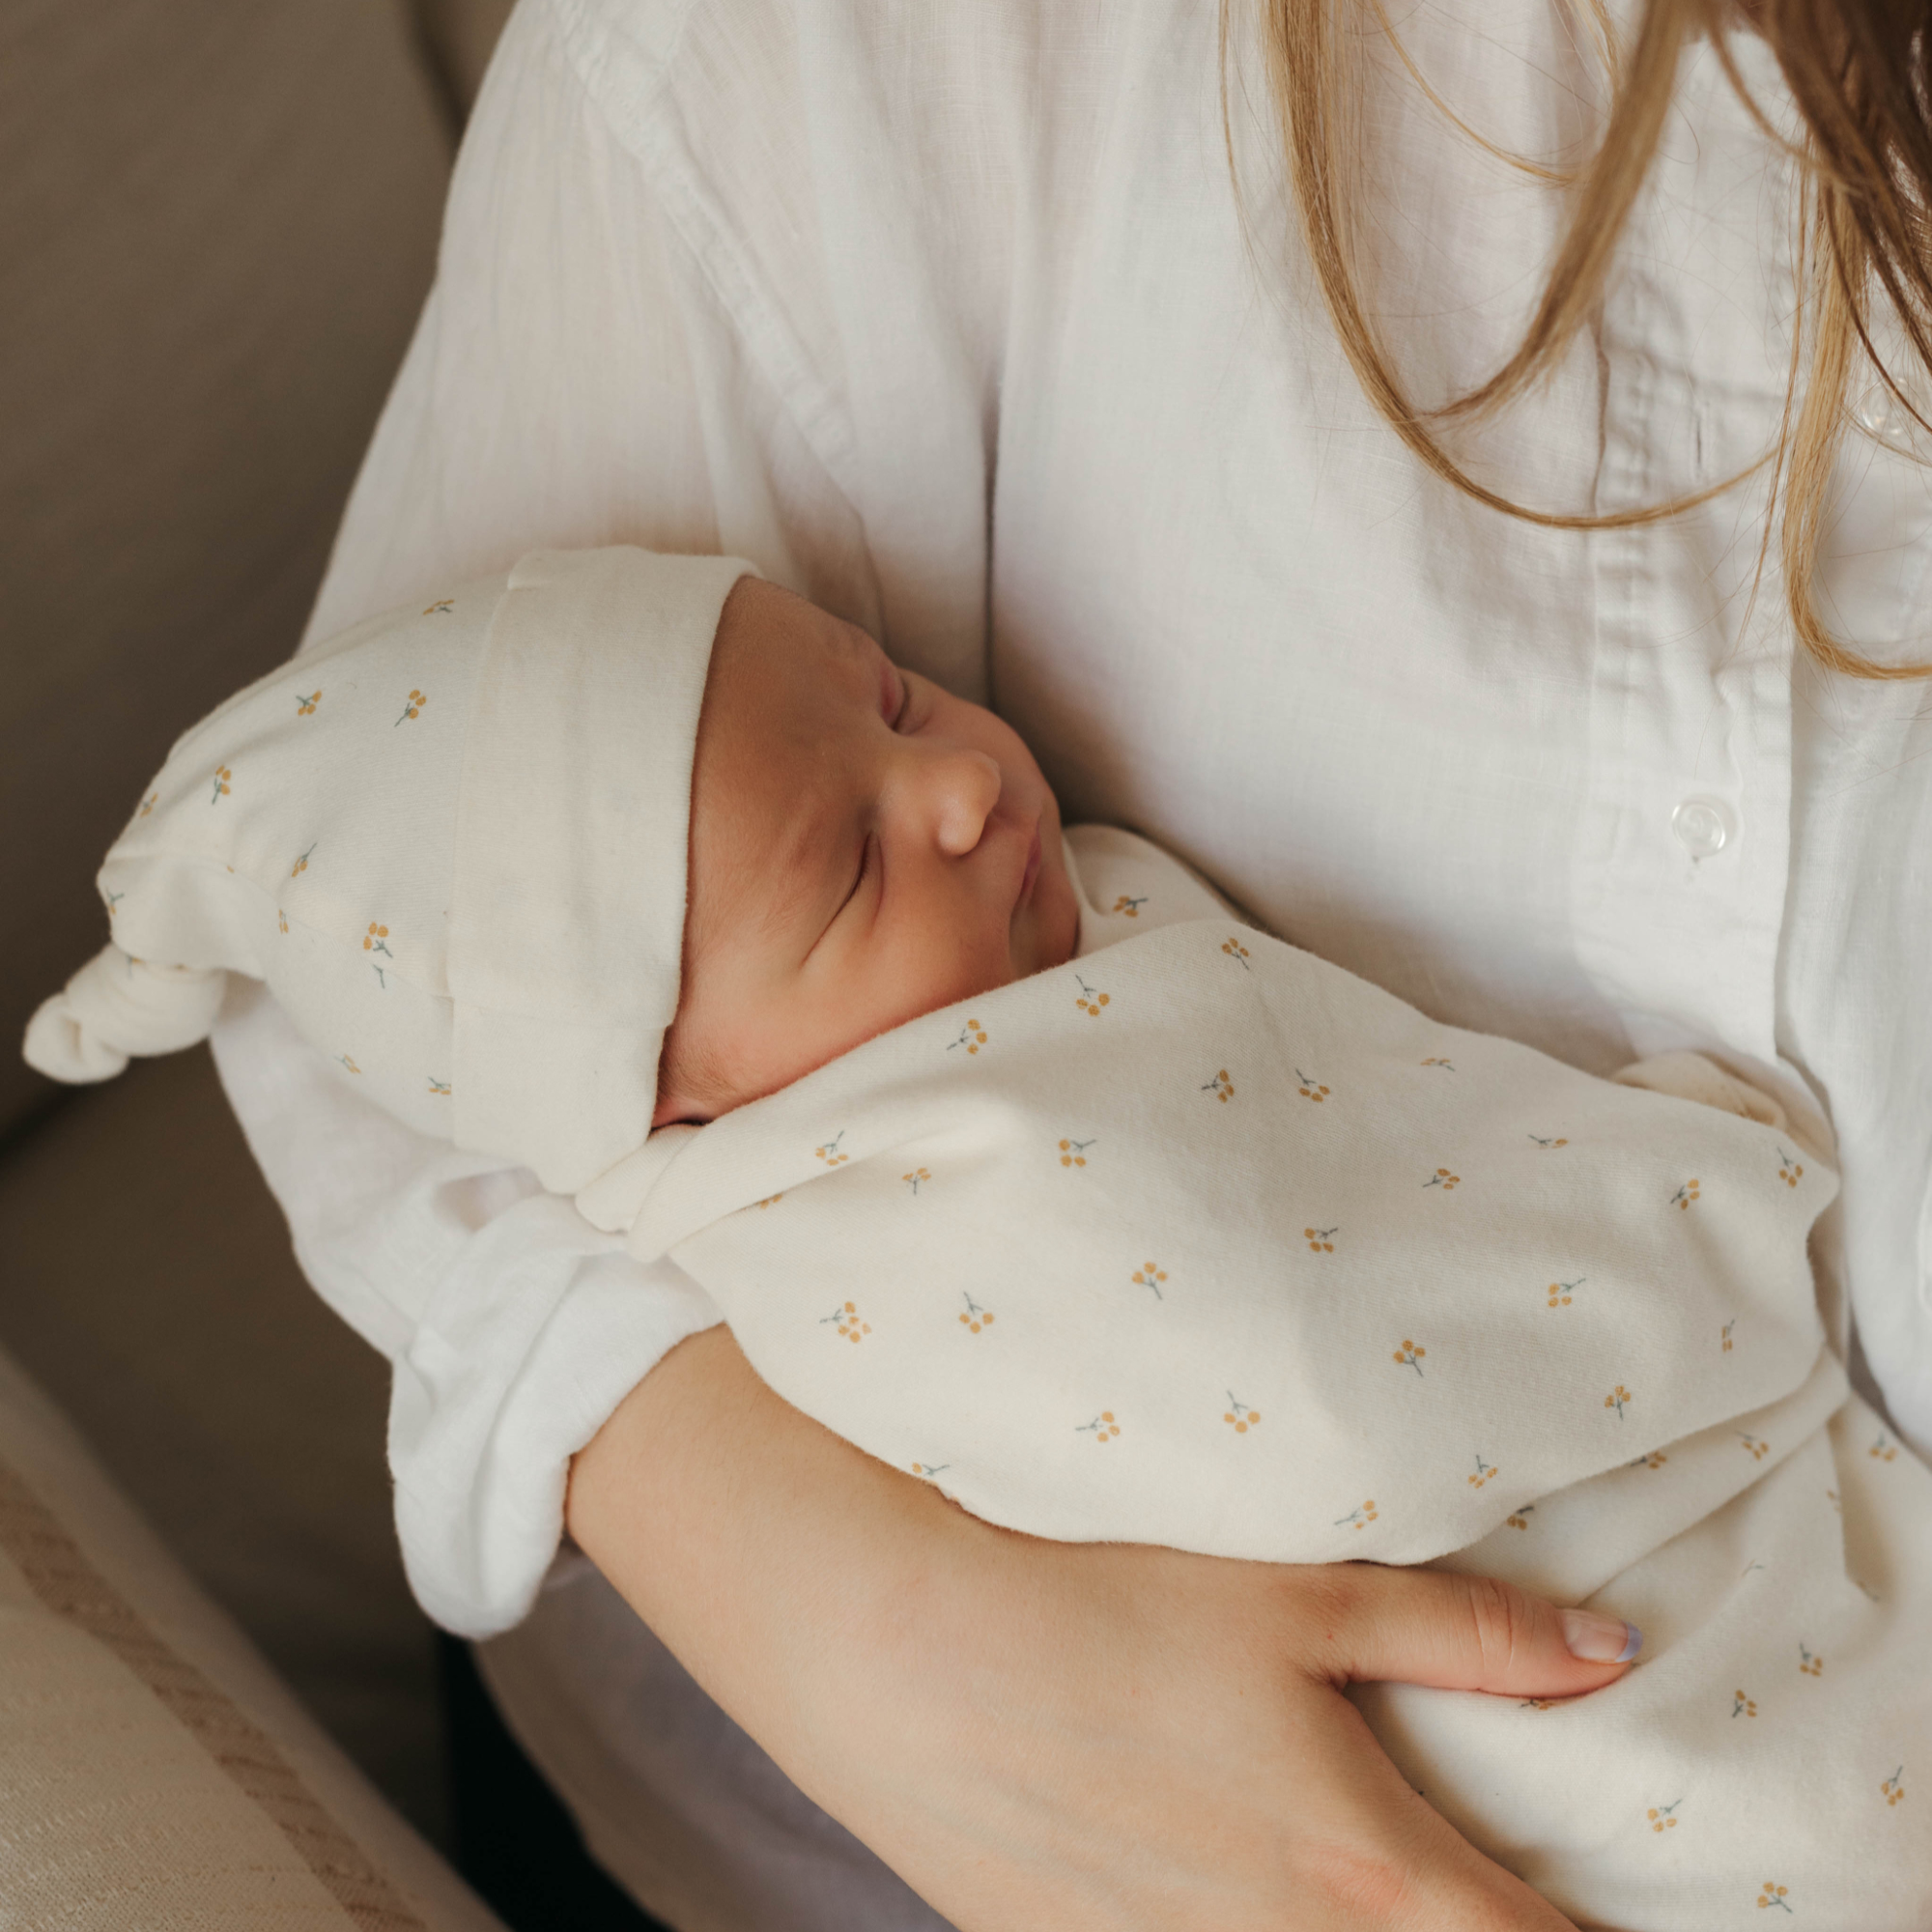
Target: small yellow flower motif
(1742,1706)
(1663,1817)
(1238,953)
(1561,1292)
(1090,1002)
(441,606)
(1310,1089)
(221,776)
(846,1318)
(1758,1450)
(1103,1427)
(770,1200)
(347,1061)
(976,1317)
(1447,1065)
(1360,1518)
(1774,1894)
(927,1469)
(281,918)
(1485,1472)
(1684,1195)
(1808,1664)
(1221,1087)
(1443,1179)
(1072,1154)
(1885,1449)
(437,1086)
(413,705)
(1616,1399)
(1726,1333)
(1894,1788)
(915,1179)
(972,1037)
(1789,1171)
(1318,1239)
(1147,1275)
(306,704)
(1521,1518)
(829,1154)
(1539,1703)
(301,866)
(1655,1460)
(1541,1140)
(375,939)
(1129,908)
(148,803)
(1240,1416)
(1409,1356)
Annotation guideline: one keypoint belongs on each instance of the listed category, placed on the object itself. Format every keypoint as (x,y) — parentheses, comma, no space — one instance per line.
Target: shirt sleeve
(575,379)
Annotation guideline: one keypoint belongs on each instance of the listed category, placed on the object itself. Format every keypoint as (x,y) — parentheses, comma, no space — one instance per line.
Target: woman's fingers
(1359,1622)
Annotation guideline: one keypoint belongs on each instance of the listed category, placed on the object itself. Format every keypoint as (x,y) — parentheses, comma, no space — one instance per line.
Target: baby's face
(865,848)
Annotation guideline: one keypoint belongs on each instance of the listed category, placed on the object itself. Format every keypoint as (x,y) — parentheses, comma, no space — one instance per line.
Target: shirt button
(1704,826)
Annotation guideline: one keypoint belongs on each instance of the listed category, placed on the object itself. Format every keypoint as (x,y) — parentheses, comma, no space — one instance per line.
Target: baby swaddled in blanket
(1027,1166)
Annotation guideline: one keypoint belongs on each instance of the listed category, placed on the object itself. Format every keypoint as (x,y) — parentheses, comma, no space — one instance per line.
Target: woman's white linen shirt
(951,318)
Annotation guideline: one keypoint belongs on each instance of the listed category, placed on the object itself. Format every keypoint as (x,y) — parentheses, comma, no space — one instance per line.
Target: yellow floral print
(377,940)
(1757,1449)
(1684,1195)
(1809,1664)
(1885,1449)
(1519,1518)
(927,1469)
(976,1317)
(1310,1089)
(1103,1427)
(1321,1239)
(1485,1472)
(1726,1333)
(1447,1065)
(301,866)
(413,705)
(441,606)
(281,918)
(1147,1275)
(1238,953)
(347,1061)
(1090,1002)
(1240,1415)
(1894,1788)
(1742,1706)
(1616,1400)
(1073,1153)
(1542,1142)
(1789,1171)
(305,703)
(148,803)
(917,1178)
(437,1086)
(846,1318)
(1663,1817)
(1129,908)
(1409,1356)
(221,776)
(829,1154)
(972,1037)
(1360,1518)
(1560,1291)
(1774,1894)
(1655,1460)
(1221,1087)
(771,1200)
(1443,1179)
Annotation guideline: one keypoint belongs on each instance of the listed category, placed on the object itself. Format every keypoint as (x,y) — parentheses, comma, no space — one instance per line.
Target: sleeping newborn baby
(1026,1165)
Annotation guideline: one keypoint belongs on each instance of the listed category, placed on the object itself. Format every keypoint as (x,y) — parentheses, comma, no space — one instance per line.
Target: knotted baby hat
(453,843)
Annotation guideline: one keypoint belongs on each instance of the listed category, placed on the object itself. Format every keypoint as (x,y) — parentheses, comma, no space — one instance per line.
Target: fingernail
(1600,1639)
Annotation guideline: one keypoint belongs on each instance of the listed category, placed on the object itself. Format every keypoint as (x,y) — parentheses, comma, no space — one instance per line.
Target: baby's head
(865,848)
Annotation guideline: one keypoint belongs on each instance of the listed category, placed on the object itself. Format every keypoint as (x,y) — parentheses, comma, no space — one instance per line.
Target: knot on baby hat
(453,842)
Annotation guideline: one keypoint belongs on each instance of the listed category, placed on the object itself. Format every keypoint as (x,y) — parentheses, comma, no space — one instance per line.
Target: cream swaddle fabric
(1200,1240)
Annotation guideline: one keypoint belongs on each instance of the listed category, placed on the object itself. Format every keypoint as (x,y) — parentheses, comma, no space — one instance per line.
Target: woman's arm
(1050,1735)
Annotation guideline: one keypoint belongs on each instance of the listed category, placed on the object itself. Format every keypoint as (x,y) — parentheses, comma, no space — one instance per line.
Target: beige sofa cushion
(153,1772)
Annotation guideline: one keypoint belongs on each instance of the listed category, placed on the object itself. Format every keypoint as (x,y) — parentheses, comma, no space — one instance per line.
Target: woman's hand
(1041,1735)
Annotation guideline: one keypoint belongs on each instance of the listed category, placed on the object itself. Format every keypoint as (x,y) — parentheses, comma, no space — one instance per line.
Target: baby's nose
(958,790)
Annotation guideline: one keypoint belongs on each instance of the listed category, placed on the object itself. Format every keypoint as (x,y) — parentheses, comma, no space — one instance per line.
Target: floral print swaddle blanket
(1200,1240)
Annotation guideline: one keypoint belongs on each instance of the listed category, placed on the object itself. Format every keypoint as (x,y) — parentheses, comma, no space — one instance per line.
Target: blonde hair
(1858,72)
